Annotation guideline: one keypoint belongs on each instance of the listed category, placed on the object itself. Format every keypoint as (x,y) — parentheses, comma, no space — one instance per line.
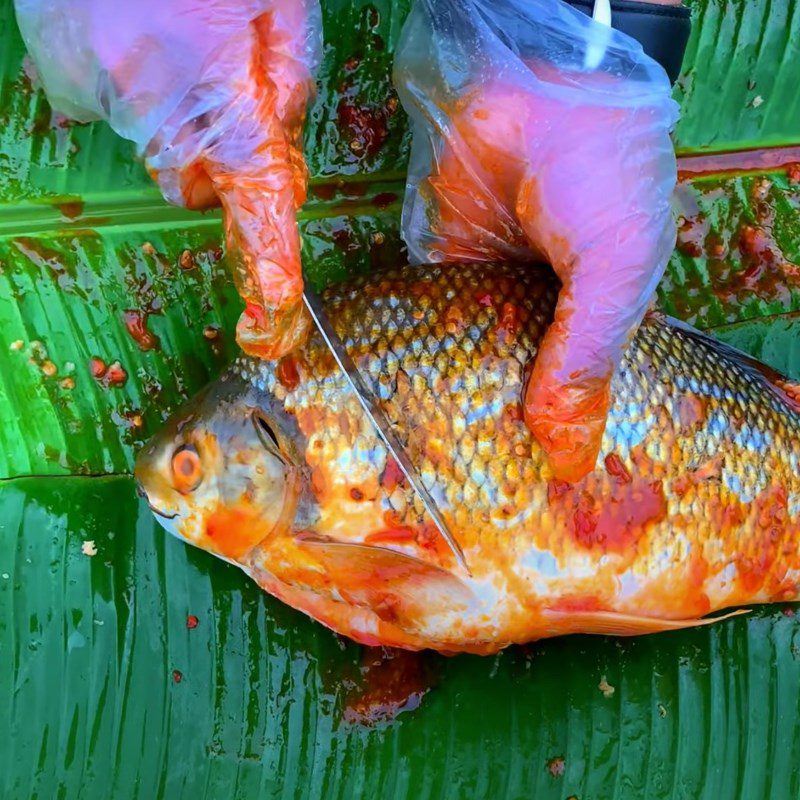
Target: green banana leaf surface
(132,666)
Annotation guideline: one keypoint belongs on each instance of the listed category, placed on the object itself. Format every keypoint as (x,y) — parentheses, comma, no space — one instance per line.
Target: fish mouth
(142,492)
(160,513)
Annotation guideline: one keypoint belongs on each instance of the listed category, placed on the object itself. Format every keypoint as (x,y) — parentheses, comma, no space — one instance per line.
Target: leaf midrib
(146,208)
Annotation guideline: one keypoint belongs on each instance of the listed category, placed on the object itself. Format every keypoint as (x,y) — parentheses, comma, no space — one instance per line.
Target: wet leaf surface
(106,691)
(134,666)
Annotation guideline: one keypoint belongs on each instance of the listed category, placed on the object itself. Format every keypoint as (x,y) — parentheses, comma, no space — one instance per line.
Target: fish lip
(142,492)
(160,513)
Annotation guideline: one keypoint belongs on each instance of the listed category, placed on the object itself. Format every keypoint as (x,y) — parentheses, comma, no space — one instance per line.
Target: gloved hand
(214,94)
(522,152)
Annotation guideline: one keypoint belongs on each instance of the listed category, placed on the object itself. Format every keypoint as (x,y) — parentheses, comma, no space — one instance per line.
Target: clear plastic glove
(214,93)
(521,151)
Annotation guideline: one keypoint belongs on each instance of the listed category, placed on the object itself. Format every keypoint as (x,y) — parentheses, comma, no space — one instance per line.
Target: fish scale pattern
(463,335)
(697,475)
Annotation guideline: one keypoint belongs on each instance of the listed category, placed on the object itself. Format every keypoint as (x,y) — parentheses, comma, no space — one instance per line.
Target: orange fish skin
(693,505)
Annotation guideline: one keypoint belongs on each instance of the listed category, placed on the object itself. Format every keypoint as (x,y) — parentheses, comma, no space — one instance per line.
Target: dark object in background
(663,31)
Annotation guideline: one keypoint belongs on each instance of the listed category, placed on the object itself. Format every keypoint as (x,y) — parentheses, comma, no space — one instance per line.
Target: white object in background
(596,50)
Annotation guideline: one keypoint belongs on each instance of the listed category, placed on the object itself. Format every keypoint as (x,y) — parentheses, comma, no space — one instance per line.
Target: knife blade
(377,416)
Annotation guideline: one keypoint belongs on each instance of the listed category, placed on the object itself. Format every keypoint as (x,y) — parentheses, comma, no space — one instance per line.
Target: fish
(693,505)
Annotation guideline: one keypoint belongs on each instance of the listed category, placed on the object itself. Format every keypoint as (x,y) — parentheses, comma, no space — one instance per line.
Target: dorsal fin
(787,390)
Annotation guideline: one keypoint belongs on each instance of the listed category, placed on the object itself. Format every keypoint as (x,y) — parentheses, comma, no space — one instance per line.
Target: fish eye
(265,432)
(187,471)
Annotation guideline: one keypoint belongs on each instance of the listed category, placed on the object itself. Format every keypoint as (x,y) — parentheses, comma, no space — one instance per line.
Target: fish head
(221,474)
(228,474)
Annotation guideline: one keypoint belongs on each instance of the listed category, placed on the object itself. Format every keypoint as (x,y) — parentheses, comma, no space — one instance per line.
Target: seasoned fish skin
(693,506)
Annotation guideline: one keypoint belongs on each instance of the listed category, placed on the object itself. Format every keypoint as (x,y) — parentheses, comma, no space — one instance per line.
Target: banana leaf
(132,666)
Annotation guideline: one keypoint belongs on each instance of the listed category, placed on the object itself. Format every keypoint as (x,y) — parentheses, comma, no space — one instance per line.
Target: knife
(377,416)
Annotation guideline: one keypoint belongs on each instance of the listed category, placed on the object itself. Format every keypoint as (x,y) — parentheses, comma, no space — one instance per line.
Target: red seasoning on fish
(693,505)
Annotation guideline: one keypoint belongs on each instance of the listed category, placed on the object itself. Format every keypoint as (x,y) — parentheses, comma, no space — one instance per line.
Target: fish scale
(692,507)
(495,469)
(476,396)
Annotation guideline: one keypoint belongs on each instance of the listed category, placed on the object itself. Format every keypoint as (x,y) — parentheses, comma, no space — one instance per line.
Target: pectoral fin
(611,623)
(397,587)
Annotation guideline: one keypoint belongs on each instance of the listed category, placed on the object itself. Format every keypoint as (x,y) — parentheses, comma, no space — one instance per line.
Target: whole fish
(693,506)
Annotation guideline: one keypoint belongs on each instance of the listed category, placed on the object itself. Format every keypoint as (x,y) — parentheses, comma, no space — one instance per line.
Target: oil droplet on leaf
(97,367)
(391,681)
(136,325)
(116,374)
(71,209)
(113,374)
(187,261)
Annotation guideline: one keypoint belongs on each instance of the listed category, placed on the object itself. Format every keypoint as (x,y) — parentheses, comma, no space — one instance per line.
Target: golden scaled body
(694,504)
